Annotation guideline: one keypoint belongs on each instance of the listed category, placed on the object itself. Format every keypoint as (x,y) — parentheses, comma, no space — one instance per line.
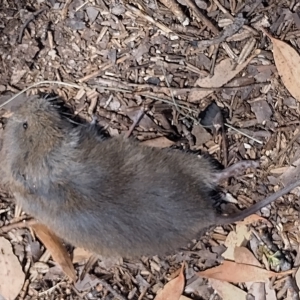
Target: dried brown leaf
(145,122)
(289,174)
(160,142)
(254,218)
(226,290)
(11,273)
(173,289)
(80,255)
(56,248)
(201,135)
(287,61)
(238,273)
(297,277)
(262,110)
(226,70)
(242,255)
(236,238)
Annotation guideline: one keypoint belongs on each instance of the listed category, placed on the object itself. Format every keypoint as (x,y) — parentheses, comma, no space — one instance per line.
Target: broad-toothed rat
(111,196)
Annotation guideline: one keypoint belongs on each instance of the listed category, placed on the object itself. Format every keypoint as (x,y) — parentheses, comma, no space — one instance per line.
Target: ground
(110,60)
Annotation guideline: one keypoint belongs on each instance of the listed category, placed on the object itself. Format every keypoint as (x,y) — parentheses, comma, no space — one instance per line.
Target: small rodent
(110,196)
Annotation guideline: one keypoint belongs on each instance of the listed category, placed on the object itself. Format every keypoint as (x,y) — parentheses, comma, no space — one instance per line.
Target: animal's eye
(25,125)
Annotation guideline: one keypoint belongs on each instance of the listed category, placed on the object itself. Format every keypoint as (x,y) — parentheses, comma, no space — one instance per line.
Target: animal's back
(113,197)
(117,197)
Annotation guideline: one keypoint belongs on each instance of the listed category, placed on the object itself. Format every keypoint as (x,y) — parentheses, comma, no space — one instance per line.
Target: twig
(181,91)
(129,87)
(196,121)
(22,224)
(291,142)
(49,291)
(196,112)
(81,6)
(237,24)
(223,10)
(139,13)
(138,118)
(89,264)
(243,133)
(228,15)
(214,58)
(156,89)
(31,18)
(176,10)
(40,83)
(169,86)
(65,9)
(172,103)
(198,13)
(225,145)
(74,85)
(173,98)
(19,218)
(111,290)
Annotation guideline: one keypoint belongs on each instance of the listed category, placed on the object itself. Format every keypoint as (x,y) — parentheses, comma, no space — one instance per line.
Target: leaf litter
(237,273)
(11,273)
(173,289)
(57,250)
(287,61)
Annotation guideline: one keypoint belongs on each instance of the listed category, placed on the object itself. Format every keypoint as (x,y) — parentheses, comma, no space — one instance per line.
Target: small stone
(92,13)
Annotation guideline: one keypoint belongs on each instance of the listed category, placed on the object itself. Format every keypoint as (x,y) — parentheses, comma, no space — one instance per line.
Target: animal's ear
(4,120)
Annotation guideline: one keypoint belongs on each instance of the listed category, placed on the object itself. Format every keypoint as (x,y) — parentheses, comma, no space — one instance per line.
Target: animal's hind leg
(235,170)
